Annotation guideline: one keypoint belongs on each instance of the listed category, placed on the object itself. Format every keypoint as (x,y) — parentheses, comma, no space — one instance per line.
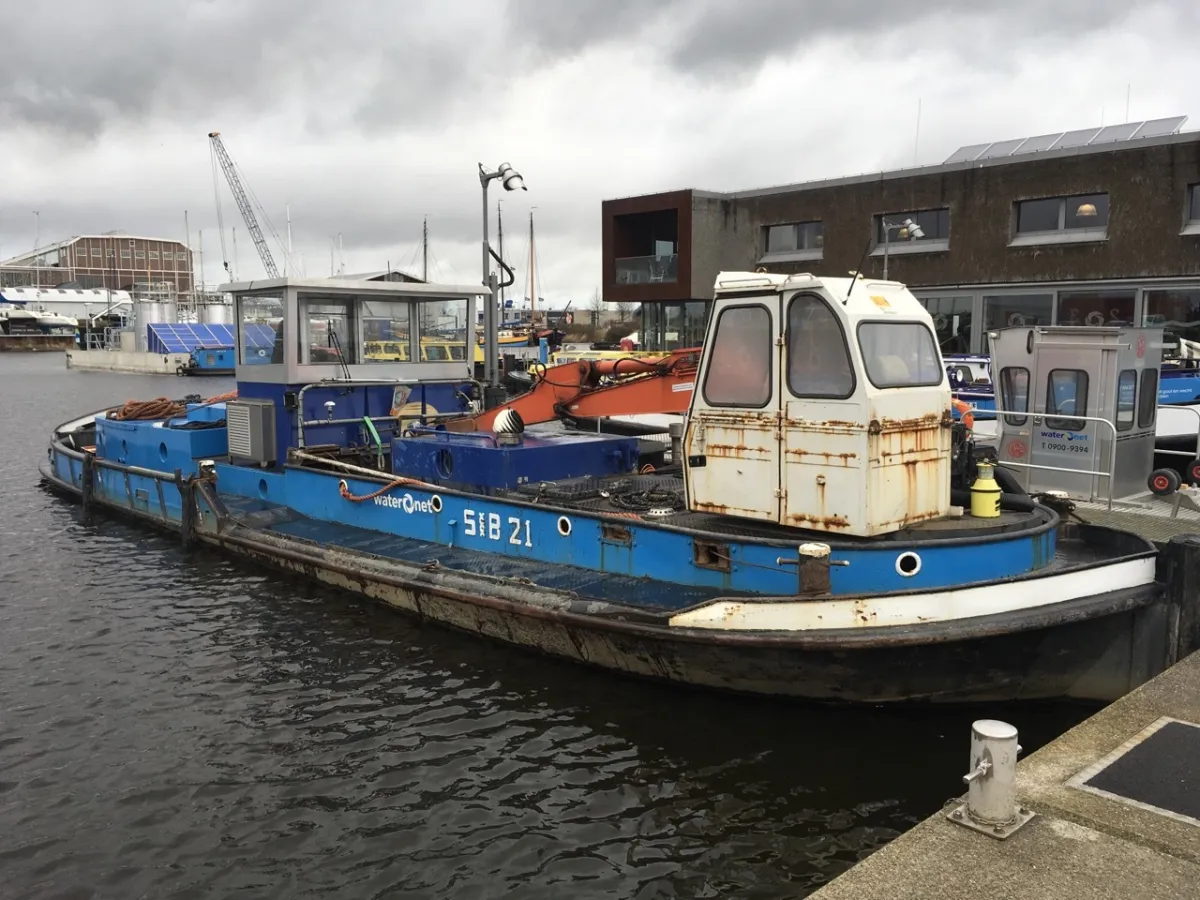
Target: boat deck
(622,593)
(660,497)
(1156,519)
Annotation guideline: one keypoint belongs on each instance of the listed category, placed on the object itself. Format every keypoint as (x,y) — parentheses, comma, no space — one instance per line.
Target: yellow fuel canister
(985,493)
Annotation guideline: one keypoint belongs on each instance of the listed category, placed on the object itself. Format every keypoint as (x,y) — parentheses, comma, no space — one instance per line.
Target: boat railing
(1192,453)
(1112,449)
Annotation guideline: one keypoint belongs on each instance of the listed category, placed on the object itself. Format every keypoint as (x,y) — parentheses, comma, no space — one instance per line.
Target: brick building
(112,260)
(1097,225)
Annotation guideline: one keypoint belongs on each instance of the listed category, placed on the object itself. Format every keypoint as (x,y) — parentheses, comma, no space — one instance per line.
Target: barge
(826,528)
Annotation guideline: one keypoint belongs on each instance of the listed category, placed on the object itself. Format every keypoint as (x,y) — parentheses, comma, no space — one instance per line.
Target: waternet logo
(1063,435)
(408,503)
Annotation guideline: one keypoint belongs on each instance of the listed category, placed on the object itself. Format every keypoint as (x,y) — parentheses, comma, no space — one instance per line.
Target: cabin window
(442,325)
(900,354)
(1014,393)
(260,329)
(1126,399)
(740,358)
(818,360)
(328,337)
(1066,394)
(385,329)
(1148,401)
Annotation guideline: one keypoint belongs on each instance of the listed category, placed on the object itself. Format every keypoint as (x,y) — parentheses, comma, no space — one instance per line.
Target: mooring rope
(161,407)
(344,489)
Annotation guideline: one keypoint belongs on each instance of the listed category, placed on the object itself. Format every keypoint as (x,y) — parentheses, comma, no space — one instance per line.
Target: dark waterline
(185,727)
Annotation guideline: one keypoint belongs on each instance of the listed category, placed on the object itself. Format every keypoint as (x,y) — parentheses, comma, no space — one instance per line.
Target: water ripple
(186,727)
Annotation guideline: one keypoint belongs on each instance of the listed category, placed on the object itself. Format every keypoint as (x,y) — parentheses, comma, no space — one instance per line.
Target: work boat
(824,529)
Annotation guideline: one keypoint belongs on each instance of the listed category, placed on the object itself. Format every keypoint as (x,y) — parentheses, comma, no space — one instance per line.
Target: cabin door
(732,438)
(824,427)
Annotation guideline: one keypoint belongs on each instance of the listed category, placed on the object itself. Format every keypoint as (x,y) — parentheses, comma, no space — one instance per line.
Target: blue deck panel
(618,589)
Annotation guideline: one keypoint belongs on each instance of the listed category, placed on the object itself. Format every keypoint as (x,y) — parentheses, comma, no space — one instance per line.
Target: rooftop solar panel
(966,154)
(1120,132)
(1160,127)
(1081,137)
(1002,148)
(1040,142)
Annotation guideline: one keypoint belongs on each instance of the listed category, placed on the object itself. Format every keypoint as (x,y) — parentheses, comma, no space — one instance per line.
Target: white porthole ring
(435,503)
(564,526)
(908,564)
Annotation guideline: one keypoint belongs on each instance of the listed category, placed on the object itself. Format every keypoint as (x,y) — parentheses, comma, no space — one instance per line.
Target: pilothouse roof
(856,297)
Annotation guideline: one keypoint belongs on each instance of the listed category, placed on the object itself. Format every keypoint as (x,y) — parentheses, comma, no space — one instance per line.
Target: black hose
(1010,502)
(1008,481)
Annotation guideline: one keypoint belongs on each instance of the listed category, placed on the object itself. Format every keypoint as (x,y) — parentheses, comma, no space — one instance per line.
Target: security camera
(914,230)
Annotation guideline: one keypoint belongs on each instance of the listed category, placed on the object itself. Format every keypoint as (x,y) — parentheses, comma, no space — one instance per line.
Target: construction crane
(243,202)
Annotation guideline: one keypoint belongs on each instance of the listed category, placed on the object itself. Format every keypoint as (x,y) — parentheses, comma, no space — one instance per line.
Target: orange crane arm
(662,385)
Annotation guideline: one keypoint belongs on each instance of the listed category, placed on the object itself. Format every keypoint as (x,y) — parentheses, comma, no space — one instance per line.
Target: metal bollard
(675,430)
(992,806)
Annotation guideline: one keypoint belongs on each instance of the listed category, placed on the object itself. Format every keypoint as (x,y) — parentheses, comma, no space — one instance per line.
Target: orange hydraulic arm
(656,385)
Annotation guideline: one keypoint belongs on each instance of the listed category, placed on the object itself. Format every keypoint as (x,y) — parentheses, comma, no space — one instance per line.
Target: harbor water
(183,726)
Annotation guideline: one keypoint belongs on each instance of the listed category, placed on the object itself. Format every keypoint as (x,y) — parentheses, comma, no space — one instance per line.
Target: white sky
(366,115)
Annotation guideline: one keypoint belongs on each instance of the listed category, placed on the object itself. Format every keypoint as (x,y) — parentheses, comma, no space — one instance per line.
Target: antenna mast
(425,250)
(500,238)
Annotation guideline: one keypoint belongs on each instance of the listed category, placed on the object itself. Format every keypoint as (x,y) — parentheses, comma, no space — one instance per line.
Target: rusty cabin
(822,403)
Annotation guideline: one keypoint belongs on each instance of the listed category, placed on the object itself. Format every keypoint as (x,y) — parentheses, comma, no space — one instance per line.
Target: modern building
(1099,225)
(144,265)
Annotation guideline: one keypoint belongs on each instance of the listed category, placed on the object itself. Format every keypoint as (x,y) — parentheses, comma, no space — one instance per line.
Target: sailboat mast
(532,275)
(425,250)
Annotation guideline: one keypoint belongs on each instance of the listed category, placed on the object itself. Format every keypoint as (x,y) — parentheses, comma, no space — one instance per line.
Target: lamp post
(908,230)
(512,181)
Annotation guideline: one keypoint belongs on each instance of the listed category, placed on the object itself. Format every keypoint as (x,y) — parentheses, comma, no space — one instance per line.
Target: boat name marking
(493,527)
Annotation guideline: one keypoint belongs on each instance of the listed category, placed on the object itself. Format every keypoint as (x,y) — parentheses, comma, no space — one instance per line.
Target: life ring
(262,351)
(966,413)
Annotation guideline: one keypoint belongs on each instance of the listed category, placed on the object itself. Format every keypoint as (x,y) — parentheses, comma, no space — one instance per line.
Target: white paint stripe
(917,609)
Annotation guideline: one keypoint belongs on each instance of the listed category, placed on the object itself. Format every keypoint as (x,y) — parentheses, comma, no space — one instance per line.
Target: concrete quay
(1084,841)
(130,361)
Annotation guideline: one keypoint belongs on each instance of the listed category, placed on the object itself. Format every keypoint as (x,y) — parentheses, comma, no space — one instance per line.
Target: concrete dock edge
(1079,845)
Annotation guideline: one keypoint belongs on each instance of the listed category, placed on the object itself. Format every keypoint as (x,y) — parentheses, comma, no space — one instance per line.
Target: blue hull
(619,591)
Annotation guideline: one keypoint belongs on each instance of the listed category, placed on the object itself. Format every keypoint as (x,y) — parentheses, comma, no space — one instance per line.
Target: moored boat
(826,531)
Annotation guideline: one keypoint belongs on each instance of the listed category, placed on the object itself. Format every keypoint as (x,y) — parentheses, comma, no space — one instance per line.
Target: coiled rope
(161,407)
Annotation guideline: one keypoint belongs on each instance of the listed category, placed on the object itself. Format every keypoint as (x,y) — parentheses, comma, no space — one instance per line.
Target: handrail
(1196,413)
(1112,450)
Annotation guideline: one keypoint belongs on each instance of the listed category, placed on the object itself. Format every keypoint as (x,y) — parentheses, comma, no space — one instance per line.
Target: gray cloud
(366,116)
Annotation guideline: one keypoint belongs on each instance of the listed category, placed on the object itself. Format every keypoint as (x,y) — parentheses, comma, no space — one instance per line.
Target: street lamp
(512,181)
(908,230)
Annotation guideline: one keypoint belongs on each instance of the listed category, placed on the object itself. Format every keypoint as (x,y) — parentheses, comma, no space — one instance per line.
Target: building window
(1054,220)
(139,254)
(1095,308)
(1148,401)
(900,354)
(1193,210)
(1066,394)
(1014,393)
(125,254)
(1017,310)
(794,242)
(917,231)
(1178,313)
(81,254)
(739,363)
(181,257)
(951,322)
(818,360)
(95,251)
(669,326)
(154,254)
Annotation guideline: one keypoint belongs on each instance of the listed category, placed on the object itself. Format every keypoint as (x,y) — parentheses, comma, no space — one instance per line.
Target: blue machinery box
(477,460)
